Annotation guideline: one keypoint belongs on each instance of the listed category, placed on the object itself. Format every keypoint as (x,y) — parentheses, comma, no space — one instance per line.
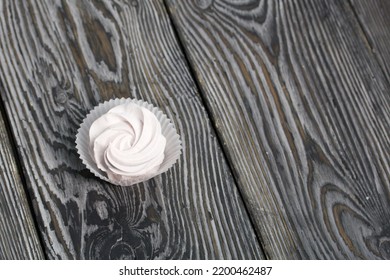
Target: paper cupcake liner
(172,149)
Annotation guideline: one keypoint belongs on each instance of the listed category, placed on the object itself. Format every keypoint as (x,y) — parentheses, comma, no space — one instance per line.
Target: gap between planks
(21,199)
(213,123)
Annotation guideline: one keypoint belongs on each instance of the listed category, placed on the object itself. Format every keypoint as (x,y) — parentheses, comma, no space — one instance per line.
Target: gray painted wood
(302,108)
(58,60)
(18,235)
(374,18)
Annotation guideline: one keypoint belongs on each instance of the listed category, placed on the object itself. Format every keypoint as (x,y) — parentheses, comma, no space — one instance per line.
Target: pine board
(374,18)
(303,110)
(18,235)
(58,60)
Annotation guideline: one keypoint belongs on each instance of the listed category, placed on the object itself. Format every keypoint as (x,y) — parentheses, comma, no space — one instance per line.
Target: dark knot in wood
(61,94)
(204,4)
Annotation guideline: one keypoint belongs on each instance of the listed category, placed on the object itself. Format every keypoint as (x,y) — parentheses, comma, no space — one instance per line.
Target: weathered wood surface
(374,18)
(60,58)
(18,235)
(302,108)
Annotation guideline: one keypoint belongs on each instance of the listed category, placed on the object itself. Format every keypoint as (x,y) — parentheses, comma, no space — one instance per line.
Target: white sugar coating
(114,135)
(127,142)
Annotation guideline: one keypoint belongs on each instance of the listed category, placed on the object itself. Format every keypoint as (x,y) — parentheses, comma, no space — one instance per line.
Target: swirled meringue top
(127,143)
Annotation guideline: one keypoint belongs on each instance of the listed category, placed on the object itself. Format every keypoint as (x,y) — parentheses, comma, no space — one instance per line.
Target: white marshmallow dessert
(127,141)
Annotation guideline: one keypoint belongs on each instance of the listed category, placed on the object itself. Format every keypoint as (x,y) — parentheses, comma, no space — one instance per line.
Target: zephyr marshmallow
(127,142)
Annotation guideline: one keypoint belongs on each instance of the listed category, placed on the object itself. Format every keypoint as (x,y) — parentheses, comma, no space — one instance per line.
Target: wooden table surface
(283,108)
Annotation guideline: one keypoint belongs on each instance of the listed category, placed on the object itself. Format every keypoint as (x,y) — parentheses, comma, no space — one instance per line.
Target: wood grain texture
(374,18)
(18,235)
(302,108)
(58,59)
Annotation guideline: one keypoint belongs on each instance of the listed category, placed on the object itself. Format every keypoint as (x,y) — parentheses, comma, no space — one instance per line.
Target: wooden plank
(302,108)
(59,59)
(375,21)
(18,235)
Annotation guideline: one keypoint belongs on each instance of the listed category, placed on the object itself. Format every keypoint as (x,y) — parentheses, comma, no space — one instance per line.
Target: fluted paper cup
(171,153)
